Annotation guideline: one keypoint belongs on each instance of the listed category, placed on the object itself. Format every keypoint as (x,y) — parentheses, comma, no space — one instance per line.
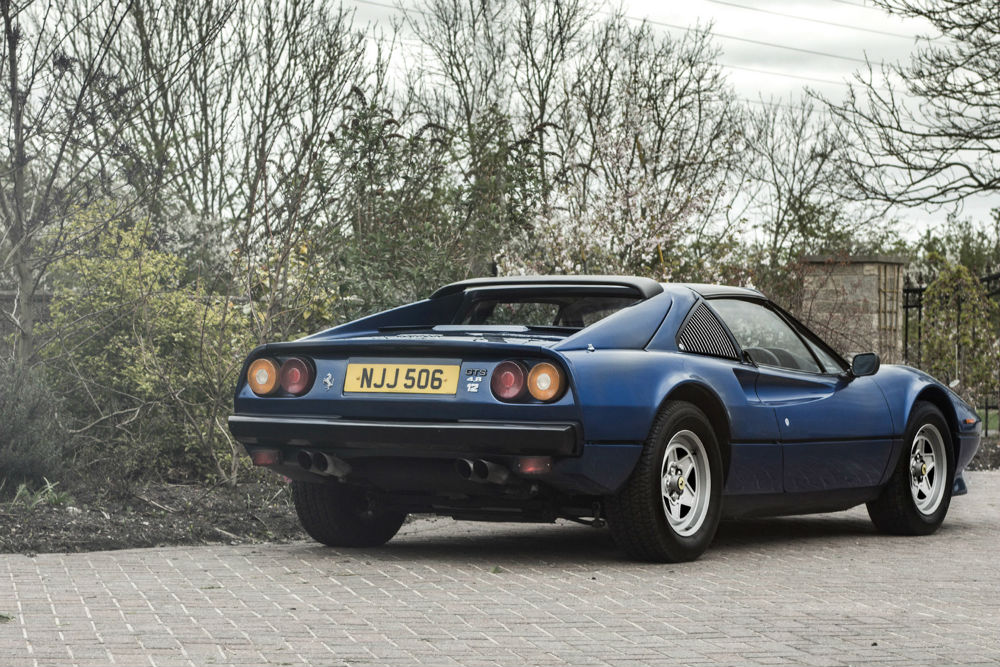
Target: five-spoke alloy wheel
(686,484)
(916,499)
(669,508)
(927,482)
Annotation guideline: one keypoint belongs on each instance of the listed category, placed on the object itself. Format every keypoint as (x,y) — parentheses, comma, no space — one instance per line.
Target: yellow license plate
(401,378)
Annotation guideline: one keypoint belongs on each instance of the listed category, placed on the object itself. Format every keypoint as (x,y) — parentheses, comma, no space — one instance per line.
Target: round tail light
(508,381)
(545,382)
(296,376)
(262,376)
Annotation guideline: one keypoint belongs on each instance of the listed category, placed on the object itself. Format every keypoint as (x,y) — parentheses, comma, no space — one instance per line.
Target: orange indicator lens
(545,382)
(263,377)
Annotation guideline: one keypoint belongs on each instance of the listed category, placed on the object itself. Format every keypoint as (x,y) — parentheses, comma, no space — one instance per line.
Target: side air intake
(701,333)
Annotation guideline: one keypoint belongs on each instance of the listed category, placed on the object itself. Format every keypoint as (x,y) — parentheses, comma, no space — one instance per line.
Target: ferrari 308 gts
(657,408)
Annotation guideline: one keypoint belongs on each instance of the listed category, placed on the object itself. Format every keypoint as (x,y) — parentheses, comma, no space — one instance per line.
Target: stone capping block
(854,259)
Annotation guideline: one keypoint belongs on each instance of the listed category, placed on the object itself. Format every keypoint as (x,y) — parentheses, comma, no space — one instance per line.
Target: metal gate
(913,315)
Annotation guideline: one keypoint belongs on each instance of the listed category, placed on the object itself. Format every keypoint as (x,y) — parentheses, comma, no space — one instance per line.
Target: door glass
(764,336)
(830,364)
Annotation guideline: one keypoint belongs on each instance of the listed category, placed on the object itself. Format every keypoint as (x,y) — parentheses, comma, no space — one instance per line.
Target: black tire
(637,513)
(339,515)
(896,510)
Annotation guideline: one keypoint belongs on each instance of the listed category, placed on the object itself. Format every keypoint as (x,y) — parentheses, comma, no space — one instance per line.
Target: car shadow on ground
(441,540)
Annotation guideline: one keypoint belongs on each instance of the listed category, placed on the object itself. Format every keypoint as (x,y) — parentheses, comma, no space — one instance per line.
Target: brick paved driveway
(819,590)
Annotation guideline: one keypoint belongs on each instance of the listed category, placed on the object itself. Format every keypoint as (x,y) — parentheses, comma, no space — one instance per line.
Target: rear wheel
(339,515)
(916,499)
(668,510)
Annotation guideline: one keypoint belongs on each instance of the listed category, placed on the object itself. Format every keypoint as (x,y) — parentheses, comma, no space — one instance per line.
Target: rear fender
(621,391)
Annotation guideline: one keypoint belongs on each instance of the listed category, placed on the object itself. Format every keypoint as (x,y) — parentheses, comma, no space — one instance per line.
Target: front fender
(903,386)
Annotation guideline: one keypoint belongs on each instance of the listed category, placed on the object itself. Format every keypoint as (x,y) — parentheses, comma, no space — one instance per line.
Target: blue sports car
(657,408)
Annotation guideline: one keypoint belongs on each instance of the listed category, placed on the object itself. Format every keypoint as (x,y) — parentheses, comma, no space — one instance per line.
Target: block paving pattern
(820,590)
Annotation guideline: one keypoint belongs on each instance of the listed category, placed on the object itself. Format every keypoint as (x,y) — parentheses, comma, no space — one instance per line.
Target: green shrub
(960,330)
(31,438)
(149,359)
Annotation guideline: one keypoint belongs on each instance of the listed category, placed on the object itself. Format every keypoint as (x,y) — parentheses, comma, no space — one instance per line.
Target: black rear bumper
(388,438)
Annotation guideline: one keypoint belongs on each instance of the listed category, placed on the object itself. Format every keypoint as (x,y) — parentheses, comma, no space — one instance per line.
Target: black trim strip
(500,438)
(834,441)
(644,287)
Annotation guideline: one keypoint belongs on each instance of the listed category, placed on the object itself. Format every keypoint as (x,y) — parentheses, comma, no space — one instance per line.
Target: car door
(835,429)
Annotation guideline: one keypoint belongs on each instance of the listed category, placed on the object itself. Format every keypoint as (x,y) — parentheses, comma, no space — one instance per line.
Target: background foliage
(190,179)
(961,346)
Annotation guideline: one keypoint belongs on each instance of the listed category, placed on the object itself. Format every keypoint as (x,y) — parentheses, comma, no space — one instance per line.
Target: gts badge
(474,379)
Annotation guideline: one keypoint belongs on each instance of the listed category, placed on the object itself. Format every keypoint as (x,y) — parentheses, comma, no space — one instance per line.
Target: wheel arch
(939,399)
(709,402)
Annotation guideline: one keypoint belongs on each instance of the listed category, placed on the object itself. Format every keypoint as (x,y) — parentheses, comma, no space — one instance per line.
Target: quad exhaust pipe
(323,464)
(482,471)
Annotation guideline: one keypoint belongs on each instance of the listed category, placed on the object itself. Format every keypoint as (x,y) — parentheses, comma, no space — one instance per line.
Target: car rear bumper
(387,438)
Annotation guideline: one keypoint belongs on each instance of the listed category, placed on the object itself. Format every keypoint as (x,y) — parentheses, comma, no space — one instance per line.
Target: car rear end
(453,415)
(422,418)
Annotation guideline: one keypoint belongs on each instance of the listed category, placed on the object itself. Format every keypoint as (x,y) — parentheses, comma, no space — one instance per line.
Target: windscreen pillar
(856,303)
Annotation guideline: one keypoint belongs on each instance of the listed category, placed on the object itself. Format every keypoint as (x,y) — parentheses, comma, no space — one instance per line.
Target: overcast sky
(773,48)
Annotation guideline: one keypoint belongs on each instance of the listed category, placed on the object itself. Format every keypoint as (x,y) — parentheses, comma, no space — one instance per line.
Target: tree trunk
(24,313)
(19,228)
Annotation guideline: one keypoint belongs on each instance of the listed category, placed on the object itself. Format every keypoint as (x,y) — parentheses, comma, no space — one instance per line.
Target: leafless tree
(659,150)
(245,166)
(67,106)
(926,132)
(301,62)
(800,198)
(549,47)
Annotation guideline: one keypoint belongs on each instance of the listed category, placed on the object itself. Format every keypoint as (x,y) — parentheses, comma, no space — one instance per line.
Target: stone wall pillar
(856,303)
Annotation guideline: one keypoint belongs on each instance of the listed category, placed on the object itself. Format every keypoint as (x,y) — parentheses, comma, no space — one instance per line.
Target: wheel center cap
(675,484)
(918,469)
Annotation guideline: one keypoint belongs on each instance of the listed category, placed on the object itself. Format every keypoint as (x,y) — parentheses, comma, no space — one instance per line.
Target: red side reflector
(265,457)
(534,465)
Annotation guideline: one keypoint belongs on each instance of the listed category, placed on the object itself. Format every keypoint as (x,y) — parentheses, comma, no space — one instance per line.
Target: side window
(764,335)
(830,365)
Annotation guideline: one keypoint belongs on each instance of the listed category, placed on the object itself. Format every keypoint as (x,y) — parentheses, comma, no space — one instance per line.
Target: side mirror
(865,364)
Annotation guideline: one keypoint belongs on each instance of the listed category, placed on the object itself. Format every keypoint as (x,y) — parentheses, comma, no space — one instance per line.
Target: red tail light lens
(508,381)
(296,376)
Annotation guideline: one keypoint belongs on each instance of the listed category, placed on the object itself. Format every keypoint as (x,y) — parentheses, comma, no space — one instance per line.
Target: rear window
(570,311)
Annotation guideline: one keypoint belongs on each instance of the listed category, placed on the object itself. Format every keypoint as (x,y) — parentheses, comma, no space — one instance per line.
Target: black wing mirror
(865,364)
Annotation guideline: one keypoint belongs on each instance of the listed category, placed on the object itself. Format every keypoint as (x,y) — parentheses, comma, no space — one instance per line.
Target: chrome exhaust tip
(465,468)
(489,472)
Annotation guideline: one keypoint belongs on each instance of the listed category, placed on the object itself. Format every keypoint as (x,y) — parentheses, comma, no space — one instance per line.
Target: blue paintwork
(628,329)
(787,432)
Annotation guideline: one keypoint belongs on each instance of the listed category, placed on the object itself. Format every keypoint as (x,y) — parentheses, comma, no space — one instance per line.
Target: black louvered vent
(703,334)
